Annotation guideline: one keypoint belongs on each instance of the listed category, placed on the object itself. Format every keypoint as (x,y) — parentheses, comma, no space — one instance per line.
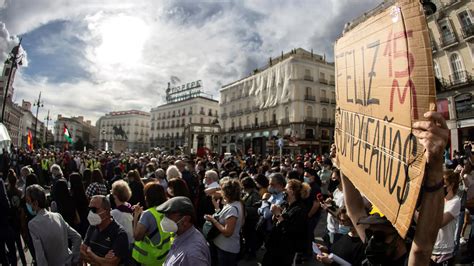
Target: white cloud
(130,51)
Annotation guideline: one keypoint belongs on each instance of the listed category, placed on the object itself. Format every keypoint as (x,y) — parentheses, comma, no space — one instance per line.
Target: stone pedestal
(119,146)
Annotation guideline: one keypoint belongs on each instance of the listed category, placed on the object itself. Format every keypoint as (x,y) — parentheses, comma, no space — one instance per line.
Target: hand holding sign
(433,135)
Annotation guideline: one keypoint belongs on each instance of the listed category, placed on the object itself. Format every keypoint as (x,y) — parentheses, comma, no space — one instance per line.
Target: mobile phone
(316,250)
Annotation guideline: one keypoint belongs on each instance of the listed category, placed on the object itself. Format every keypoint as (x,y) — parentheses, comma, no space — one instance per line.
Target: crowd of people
(101,208)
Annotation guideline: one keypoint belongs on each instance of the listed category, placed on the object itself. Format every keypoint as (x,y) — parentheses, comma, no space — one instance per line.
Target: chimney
(312,53)
(60,116)
(25,105)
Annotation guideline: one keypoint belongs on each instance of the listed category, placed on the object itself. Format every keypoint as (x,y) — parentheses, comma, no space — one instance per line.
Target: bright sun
(123,39)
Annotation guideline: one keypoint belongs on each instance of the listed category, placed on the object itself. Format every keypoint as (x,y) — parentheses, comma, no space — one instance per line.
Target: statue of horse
(118,131)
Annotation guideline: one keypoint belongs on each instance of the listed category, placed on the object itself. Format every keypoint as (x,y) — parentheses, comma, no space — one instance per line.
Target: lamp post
(15,60)
(47,118)
(38,103)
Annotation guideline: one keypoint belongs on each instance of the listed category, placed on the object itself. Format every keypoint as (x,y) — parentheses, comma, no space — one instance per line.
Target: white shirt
(332,222)
(445,240)
(126,221)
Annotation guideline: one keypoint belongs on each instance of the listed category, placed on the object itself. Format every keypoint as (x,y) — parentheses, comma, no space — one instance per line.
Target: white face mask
(169,226)
(94,218)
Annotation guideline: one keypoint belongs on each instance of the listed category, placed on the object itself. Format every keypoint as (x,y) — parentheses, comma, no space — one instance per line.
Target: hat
(180,204)
(374,219)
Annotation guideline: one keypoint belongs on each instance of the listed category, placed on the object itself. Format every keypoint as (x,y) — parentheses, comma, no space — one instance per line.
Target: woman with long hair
(145,226)
(80,202)
(97,186)
(177,187)
(63,203)
(14,196)
(229,222)
(136,185)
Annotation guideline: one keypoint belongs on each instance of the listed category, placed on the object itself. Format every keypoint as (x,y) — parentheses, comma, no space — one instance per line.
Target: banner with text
(384,83)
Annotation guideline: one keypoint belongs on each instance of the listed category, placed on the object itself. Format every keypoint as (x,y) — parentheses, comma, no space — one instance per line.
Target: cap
(374,219)
(180,204)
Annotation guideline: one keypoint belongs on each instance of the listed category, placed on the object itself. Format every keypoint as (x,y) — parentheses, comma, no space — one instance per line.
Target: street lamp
(47,118)
(38,103)
(16,60)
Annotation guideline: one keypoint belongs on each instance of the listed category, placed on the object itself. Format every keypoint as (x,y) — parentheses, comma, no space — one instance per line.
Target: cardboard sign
(384,83)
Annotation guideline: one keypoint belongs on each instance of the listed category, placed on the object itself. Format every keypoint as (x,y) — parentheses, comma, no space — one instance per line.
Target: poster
(384,83)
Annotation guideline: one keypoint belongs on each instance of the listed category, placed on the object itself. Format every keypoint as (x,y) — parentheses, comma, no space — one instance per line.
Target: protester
(229,223)
(151,243)
(160,176)
(63,203)
(97,186)
(80,202)
(443,250)
(122,214)
(7,238)
(289,226)
(313,206)
(136,185)
(106,242)
(250,199)
(177,187)
(14,197)
(49,232)
(331,205)
(189,246)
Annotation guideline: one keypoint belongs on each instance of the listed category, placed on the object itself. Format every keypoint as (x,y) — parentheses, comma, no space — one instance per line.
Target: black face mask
(285,196)
(377,251)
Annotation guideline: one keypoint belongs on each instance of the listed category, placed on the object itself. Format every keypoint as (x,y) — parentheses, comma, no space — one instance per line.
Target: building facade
(135,124)
(452,38)
(14,121)
(198,114)
(80,130)
(292,98)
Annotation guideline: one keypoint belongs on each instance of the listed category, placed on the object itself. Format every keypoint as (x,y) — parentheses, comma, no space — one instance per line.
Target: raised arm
(354,205)
(433,135)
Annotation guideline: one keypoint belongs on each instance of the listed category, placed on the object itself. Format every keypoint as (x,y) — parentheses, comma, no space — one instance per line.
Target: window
(309,111)
(464,19)
(182,122)
(264,117)
(457,68)
(437,70)
(324,113)
(201,120)
(323,94)
(248,120)
(309,91)
(287,112)
(309,132)
(240,122)
(256,120)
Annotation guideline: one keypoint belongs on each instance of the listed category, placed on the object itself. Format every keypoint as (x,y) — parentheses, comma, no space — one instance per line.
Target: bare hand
(324,258)
(323,248)
(208,217)
(275,209)
(110,254)
(433,135)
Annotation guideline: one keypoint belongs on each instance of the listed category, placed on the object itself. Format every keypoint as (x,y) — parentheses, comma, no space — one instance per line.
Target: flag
(67,135)
(29,141)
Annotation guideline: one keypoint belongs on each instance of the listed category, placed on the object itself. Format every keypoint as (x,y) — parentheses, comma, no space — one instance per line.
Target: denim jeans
(225,258)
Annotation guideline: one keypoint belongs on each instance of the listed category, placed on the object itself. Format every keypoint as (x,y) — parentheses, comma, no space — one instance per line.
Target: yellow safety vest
(145,252)
(93,164)
(45,164)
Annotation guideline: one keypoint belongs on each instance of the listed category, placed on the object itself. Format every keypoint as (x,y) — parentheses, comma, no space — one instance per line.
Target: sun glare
(123,39)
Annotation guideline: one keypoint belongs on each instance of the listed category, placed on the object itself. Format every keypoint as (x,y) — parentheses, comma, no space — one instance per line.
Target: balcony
(323,81)
(434,48)
(255,109)
(240,112)
(459,78)
(308,78)
(311,98)
(247,110)
(202,113)
(325,122)
(324,100)
(311,120)
(285,121)
(263,124)
(448,39)
(223,116)
(273,123)
(238,128)
(465,114)
(468,32)
(232,114)
(247,127)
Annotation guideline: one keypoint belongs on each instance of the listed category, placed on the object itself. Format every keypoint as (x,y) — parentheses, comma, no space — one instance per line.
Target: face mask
(343,229)
(377,251)
(169,226)
(285,196)
(94,218)
(307,180)
(30,209)
(272,190)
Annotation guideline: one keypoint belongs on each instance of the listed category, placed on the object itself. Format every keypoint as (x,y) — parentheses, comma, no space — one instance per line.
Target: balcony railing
(264,124)
(468,31)
(231,114)
(285,121)
(240,112)
(324,100)
(248,110)
(460,78)
(223,116)
(323,81)
(308,78)
(255,109)
(247,127)
(332,82)
(311,119)
(311,98)
(448,39)
(325,121)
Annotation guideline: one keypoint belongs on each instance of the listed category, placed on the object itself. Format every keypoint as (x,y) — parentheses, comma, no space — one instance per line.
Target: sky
(91,57)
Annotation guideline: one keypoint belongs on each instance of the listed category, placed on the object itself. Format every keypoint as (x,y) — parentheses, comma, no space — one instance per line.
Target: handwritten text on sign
(383,84)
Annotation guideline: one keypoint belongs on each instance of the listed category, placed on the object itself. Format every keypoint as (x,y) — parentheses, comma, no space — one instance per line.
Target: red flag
(29,141)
